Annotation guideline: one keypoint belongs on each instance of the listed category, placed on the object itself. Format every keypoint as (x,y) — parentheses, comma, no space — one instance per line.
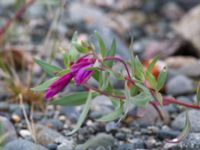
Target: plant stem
(121,61)
(166,100)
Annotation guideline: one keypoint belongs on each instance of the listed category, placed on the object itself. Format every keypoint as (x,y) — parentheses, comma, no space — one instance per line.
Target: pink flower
(78,71)
(58,85)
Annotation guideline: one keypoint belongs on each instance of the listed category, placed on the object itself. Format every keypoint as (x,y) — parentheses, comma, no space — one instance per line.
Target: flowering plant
(83,62)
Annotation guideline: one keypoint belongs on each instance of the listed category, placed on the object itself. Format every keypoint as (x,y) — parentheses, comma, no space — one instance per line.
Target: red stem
(121,61)
(166,100)
(17,15)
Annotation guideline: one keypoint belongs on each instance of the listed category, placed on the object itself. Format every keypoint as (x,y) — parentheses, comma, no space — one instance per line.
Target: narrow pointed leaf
(151,80)
(117,113)
(74,99)
(101,44)
(139,70)
(44,86)
(80,47)
(50,69)
(152,64)
(105,80)
(111,52)
(161,79)
(83,114)
(142,99)
(184,133)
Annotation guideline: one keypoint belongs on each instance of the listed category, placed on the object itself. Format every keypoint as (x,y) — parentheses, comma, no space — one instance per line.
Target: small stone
(172,146)
(120,136)
(111,126)
(63,146)
(53,123)
(62,118)
(71,113)
(179,85)
(7,130)
(192,142)
(15,118)
(172,11)
(25,133)
(101,139)
(167,134)
(52,146)
(193,115)
(136,144)
(21,144)
(46,136)
(4,106)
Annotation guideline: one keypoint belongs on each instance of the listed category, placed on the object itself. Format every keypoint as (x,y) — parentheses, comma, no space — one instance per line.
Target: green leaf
(73,52)
(66,59)
(142,99)
(152,64)
(134,90)
(151,79)
(142,87)
(96,75)
(161,79)
(105,80)
(131,53)
(118,76)
(139,70)
(73,99)
(117,113)
(198,94)
(80,47)
(101,44)
(44,86)
(50,69)
(111,52)
(184,133)
(83,114)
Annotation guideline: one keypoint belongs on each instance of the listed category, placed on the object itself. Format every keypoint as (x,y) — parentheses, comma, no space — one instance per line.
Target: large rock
(7,130)
(191,70)
(46,136)
(150,116)
(179,85)
(168,47)
(21,144)
(176,62)
(135,144)
(179,121)
(101,139)
(188,27)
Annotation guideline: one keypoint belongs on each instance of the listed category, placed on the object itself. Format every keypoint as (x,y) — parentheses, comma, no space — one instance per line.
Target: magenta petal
(83,75)
(58,85)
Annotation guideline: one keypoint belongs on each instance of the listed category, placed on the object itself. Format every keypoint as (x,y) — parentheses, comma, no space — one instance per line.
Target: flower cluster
(78,71)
